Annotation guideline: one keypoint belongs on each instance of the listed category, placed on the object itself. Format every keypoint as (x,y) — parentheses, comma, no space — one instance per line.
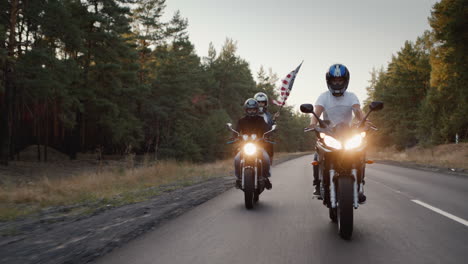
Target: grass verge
(113,187)
(447,156)
(87,192)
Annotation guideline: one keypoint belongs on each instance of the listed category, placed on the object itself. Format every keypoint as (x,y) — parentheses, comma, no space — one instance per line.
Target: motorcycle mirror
(229,126)
(273,128)
(376,106)
(307,108)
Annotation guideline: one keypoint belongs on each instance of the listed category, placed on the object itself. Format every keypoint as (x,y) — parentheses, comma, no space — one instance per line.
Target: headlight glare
(331,142)
(250,149)
(354,142)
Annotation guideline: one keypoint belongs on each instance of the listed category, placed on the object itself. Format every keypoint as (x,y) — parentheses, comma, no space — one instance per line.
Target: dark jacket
(252,125)
(268,119)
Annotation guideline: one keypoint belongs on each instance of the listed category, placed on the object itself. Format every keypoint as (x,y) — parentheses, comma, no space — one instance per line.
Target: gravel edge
(82,239)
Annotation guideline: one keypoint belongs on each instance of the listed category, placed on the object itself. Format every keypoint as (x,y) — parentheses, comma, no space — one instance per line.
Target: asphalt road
(411,216)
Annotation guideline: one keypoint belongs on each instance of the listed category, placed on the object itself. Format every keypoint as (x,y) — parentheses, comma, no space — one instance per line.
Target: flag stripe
(286,87)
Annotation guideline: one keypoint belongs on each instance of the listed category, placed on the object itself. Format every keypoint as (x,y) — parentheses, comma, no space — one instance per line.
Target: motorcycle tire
(256,196)
(345,207)
(249,187)
(332,214)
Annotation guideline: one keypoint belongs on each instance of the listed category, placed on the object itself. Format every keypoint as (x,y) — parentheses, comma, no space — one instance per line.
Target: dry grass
(449,155)
(122,183)
(92,186)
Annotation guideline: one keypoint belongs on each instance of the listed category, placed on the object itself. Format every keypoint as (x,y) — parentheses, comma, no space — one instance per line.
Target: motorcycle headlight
(354,142)
(250,149)
(331,142)
(245,137)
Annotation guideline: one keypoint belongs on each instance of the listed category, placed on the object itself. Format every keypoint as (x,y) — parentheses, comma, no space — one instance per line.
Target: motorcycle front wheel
(345,207)
(249,188)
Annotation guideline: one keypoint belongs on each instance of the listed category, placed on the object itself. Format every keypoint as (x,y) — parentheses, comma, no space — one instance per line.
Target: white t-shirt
(337,109)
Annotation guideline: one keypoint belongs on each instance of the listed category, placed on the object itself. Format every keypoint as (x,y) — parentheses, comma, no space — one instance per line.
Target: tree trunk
(46,134)
(6,105)
(74,139)
(156,141)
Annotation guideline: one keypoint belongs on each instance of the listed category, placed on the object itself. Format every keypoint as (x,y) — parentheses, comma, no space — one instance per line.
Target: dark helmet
(251,107)
(337,79)
(262,97)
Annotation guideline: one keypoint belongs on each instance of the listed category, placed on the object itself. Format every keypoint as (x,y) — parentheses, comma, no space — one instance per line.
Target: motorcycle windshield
(338,114)
(341,130)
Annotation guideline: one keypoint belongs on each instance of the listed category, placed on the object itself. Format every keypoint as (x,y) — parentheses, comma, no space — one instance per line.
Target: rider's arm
(275,116)
(358,112)
(239,127)
(318,110)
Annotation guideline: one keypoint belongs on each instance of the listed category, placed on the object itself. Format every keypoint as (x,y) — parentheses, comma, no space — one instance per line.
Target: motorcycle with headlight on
(251,169)
(341,151)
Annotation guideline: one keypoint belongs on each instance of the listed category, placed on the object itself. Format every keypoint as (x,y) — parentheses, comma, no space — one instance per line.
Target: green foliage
(111,75)
(290,136)
(449,93)
(424,87)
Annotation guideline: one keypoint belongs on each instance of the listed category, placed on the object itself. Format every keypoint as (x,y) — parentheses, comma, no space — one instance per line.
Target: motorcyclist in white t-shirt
(337,106)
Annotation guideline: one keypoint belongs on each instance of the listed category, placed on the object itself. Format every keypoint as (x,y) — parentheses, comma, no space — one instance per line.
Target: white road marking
(391,189)
(437,210)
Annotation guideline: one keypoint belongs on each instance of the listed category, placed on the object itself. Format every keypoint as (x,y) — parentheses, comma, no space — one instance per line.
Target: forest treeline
(425,85)
(112,76)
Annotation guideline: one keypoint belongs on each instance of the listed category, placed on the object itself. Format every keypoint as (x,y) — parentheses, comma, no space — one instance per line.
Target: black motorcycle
(251,169)
(341,151)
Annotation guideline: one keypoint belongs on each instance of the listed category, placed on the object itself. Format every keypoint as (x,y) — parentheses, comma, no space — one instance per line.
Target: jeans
(316,171)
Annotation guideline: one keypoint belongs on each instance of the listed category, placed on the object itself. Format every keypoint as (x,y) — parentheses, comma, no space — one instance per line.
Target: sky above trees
(280,34)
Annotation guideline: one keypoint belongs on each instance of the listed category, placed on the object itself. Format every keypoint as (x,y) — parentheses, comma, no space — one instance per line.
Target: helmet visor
(337,81)
(251,111)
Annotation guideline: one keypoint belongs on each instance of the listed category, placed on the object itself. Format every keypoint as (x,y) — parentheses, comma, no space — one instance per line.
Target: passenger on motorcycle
(252,123)
(262,100)
(337,106)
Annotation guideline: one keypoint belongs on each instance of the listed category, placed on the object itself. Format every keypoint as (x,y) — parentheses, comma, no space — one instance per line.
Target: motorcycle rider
(262,100)
(253,123)
(337,105)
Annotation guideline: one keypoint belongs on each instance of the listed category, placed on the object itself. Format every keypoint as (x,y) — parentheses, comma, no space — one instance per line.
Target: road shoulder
(55,237)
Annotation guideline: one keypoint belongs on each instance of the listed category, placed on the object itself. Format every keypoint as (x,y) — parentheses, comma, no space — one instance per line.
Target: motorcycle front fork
(357,189)
(256,173)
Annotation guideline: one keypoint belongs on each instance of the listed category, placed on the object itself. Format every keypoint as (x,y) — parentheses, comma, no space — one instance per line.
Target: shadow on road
(261,207)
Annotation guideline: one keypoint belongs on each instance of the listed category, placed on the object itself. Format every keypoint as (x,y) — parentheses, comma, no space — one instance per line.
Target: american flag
(286,86)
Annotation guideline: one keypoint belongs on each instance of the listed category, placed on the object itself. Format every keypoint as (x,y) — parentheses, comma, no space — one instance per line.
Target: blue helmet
(337,79)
